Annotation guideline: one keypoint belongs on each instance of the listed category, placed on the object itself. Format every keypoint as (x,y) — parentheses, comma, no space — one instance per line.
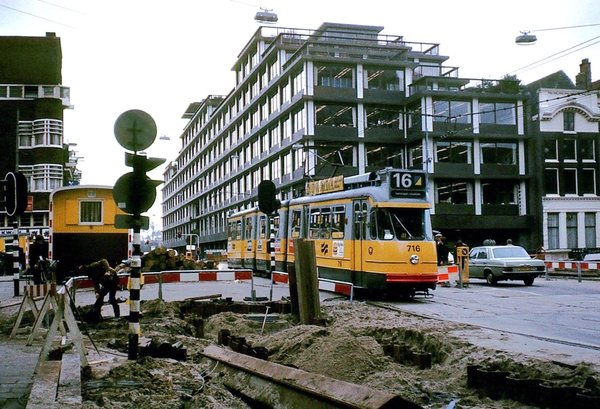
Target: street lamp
(529,39)
(265,16)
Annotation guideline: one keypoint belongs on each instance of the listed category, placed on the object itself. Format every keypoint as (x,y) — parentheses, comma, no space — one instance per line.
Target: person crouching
(105,281)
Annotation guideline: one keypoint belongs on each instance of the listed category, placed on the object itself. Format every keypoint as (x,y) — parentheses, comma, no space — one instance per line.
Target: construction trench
(359,356)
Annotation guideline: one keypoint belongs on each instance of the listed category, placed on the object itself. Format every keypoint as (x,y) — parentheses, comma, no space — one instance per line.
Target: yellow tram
(82,228)
(371,230)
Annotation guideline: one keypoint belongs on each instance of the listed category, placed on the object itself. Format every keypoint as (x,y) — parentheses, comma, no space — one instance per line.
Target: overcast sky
(160,56)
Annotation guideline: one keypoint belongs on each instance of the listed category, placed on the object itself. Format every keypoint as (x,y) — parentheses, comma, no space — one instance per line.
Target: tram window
(275,226)
(234,230)
(248,228)
(402,224)
(325,225)
(263,227)
(337,225)
(408,223)
(296,219)
(314,223)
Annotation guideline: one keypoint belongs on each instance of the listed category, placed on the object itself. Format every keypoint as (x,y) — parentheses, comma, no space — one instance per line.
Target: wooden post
(307,281)
(293,283)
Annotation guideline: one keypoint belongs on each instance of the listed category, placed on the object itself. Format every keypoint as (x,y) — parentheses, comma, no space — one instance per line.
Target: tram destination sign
(408,184)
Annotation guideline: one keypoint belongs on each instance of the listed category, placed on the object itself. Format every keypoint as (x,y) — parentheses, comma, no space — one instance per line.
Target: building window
(25,133)
(568,150)
(415,158)
(551,181)
(570,181)
(587,150)
(550,150)
(553,237)
(46,178)
(590,230)
(452,111)
(334,115)
(47,132)
(381,117)
(453,152)
(298,83)
(568,121)
(499,192)
(384,80)
(588,181)
(454,192)
(498,153)
(497,113)
(90,212)
(334,76)
(298,123)
(383,156)
(572,230)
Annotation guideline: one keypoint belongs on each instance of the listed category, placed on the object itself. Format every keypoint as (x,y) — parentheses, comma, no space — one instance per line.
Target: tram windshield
(397,224)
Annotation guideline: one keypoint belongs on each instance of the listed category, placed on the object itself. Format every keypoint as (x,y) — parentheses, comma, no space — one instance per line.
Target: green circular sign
(135,130)
(134,194)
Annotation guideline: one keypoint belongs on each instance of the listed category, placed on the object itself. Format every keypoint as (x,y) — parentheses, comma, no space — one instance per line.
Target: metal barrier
(170,276)
(340,287)
(571,265)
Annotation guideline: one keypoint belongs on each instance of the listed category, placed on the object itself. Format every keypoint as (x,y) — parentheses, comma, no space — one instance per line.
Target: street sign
(134,193)
(135,130)
(127,221)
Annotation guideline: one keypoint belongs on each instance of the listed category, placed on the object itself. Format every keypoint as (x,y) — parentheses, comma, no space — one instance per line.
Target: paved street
(557,317)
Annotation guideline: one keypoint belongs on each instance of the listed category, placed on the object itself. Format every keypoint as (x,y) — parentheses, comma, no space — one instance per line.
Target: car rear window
(510,252)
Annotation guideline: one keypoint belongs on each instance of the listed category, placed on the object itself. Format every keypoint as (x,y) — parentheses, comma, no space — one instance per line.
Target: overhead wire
(558,55)
(36,16)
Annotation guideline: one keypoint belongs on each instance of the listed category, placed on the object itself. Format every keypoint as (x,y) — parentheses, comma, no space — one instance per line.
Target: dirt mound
(358,343)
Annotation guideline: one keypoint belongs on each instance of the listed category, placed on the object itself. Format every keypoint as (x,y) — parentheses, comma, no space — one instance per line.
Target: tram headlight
(414,259)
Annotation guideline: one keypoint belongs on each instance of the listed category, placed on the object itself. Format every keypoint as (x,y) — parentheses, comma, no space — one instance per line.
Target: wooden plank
(45,384)
(69,384)
(204,297)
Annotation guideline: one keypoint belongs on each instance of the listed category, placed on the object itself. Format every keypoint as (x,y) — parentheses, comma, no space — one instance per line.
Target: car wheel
(528,281)
(489,277)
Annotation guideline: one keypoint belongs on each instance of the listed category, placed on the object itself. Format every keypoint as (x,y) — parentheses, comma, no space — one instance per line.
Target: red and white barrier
(566,265)
(39,290)
(447,274)
(333,286)
(176,276)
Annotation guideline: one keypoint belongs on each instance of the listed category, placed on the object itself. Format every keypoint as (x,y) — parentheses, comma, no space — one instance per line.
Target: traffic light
(267,203)
(13,194)
(135,192)
(178,234)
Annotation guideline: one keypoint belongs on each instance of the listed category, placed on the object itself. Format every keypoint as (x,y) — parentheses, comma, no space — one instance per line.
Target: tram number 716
(413,247)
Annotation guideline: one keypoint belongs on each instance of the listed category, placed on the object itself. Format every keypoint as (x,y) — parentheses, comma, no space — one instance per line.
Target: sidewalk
(17,365)
(17,360)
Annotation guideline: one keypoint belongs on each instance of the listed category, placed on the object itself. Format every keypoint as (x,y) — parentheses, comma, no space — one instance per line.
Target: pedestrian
(442,249)
(38,254)
(105,281)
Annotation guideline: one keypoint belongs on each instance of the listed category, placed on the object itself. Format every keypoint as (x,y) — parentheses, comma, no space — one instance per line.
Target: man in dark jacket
(105,281)
(38,254)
